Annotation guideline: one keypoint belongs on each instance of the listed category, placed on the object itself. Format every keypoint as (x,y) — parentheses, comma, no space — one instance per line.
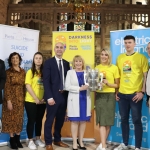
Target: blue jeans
(125,104)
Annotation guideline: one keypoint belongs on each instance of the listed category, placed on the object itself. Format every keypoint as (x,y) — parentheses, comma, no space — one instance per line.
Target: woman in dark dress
(79,101)
(13,105)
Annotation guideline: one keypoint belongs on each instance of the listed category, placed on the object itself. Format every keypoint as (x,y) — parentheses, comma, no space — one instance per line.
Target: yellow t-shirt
(131,69)
(110,73)
(36,84)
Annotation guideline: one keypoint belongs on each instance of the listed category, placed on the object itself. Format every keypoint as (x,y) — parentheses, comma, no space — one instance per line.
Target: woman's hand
(37,101)
(42,101)
(9,105)
(84,87)
(105,81)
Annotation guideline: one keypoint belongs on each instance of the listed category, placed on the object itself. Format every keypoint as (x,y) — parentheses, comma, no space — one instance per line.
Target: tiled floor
(90,146)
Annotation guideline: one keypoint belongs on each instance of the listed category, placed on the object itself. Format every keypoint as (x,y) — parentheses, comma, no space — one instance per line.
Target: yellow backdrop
(78,43)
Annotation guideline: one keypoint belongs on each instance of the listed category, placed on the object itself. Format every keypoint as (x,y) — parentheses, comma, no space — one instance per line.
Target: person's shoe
(80,145)
(13,144)
(49,147)
(99,147)
(137,149)
(17,138)
(61,144)
(121,147)
(40,143)
(31,145)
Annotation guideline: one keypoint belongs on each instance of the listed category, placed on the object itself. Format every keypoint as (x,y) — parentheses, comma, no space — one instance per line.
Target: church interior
(100,16)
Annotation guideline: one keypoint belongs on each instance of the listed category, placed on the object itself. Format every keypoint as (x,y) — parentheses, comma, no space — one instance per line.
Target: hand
(117,98)
(51,102)
(37,101)
(138,97)
(9,105)
(42,101)
(84,87)
(105,81)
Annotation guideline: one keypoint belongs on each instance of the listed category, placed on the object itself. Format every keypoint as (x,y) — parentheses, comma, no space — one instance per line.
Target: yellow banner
(78,43)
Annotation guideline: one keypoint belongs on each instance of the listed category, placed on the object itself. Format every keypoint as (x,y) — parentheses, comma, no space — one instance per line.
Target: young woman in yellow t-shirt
(34,102)
(105,98)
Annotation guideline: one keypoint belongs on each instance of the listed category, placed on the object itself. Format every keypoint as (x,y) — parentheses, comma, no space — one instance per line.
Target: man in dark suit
(2,78)
(54,73)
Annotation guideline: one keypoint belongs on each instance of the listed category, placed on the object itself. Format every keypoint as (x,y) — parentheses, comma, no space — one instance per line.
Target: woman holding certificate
(105,98)
(79,101)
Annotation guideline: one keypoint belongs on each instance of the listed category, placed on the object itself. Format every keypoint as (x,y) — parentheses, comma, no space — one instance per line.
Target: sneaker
(31,145)
(121,147)
(137,149)
(100,147)
(40,143)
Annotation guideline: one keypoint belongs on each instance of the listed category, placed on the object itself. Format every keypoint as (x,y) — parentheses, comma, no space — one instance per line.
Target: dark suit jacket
(2,78)
(51,78)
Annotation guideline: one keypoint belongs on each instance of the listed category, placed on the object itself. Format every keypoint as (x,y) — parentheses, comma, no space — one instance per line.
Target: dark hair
(11,55)
(129,37)
(33,68)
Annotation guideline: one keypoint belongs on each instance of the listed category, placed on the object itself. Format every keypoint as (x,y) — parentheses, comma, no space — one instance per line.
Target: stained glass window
(63,27)
(79,26)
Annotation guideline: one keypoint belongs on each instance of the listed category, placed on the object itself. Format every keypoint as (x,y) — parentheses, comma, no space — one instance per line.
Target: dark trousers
(55,112)
(35,115)
(125,105)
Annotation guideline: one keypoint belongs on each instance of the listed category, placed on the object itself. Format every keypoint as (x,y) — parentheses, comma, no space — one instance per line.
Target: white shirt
(57,60)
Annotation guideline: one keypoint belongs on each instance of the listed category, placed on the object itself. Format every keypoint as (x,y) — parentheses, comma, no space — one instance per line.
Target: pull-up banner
(25,42)
(142,37)
(78,43)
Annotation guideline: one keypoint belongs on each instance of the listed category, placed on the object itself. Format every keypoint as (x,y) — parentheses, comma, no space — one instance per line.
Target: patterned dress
(12,120)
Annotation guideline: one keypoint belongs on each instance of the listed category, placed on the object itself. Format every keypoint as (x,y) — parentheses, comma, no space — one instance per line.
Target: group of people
(53,87)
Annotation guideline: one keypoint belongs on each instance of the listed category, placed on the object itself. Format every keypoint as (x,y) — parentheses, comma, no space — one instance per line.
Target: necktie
(61,75)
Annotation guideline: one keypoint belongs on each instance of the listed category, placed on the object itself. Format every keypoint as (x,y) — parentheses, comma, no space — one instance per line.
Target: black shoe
(74,149)
(13,144)
(17,138)
(80,145)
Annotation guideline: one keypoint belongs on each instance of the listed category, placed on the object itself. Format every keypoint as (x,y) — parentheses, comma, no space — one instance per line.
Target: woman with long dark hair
(13,104)
(34,102)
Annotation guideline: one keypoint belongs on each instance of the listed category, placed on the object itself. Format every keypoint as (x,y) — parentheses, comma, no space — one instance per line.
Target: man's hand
(51,102)
(138,97)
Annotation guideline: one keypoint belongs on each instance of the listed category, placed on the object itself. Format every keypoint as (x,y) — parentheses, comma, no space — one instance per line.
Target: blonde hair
(78,57)
(108,52)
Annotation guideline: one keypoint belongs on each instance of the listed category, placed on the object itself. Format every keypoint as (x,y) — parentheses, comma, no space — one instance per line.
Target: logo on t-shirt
(127,70)
(127,66)
(40,83)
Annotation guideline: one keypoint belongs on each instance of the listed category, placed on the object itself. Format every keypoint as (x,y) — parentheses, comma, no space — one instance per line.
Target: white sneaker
(31,145)
(121,147)
(40,143)
(99,147)
(137,149)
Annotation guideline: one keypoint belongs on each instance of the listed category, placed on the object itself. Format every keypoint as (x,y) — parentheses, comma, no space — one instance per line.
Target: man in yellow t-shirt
(133,69)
